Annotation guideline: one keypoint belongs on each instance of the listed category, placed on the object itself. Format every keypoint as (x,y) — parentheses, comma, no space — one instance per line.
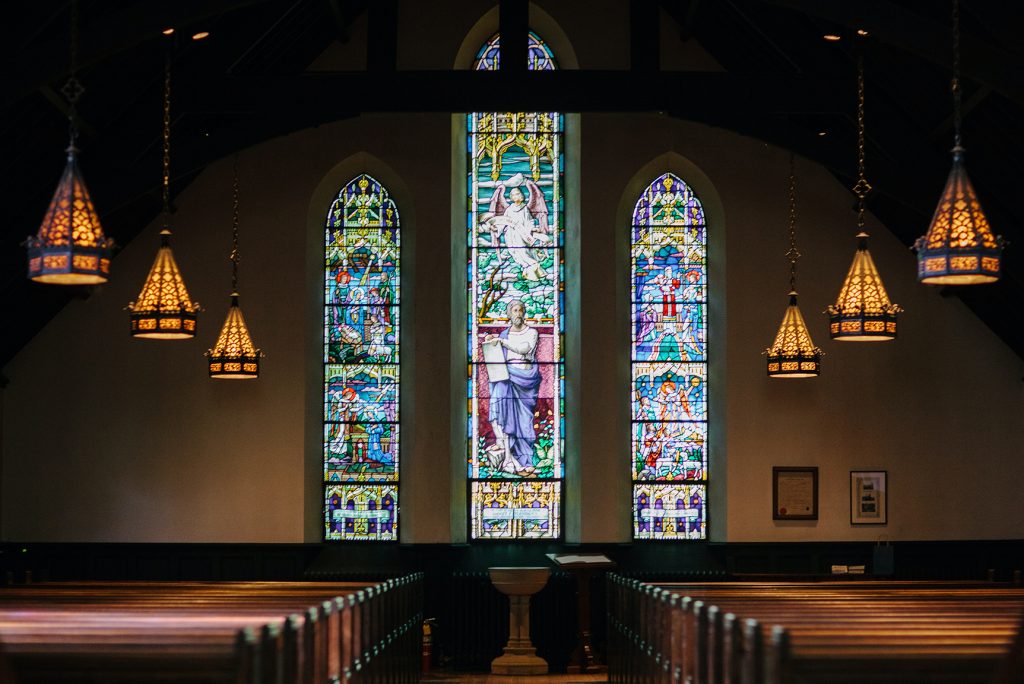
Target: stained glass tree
(361,364)
(669,369)
(516,378)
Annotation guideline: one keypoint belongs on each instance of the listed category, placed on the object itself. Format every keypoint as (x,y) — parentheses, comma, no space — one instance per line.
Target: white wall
(106,438)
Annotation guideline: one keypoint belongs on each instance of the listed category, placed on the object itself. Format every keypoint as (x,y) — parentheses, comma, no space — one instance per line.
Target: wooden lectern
(583,567)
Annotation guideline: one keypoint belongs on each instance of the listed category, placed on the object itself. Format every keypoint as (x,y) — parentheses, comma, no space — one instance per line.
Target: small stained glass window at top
(361,369)
(668,394)
(516,378)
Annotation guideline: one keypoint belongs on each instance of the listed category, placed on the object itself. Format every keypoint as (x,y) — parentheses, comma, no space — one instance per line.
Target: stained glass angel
(521,220)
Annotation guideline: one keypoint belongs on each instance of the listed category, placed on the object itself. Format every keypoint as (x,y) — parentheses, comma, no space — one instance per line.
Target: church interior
(504,281)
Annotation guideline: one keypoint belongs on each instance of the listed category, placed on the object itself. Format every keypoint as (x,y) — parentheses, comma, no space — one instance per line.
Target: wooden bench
(223,632)
(826,631)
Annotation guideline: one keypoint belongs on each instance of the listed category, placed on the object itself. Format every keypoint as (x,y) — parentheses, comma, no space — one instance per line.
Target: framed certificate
(794,493)
(868,497)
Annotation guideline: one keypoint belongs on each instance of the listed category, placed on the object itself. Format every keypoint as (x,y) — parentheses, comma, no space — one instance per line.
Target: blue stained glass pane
(669,451)
(515,510)
(669,391)
(361,512)
(539,56)
(363,203)
(361,372)
(516,210)
(357,452)
(361,393)
(543,344)
(500,282)
(669,511)
(516,423)
(664,332)
(361,272)
(667,274)
(361,334)
(668,283)
(668,201)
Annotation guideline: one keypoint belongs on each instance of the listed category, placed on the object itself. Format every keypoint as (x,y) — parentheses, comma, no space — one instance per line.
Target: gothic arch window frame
(361,381)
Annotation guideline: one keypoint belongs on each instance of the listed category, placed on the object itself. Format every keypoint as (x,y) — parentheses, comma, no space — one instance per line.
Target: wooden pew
(832,631)
(230,632)
(268,604)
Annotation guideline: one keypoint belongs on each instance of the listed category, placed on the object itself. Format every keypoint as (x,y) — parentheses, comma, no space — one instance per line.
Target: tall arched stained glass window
(515,322)
(361,370)
(669,363)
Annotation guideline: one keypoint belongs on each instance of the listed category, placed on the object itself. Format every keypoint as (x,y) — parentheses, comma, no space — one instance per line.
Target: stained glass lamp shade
(234,357)
(959,247)
(793,354)
(70,247)
(863,311)
(164,310)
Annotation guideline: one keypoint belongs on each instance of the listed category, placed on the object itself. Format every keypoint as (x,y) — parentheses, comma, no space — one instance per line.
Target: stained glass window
(669,363)
(361,369)
(516,379)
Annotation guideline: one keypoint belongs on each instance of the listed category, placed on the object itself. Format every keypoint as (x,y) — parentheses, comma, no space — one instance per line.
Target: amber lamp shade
(234,357)
(164,310)
(70,247)
(959,247)
(863,312)
(793,354)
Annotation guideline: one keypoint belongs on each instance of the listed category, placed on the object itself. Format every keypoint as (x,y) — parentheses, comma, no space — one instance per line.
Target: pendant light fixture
(863,311)
(70,247)
(234,356)
(959,247)
(164,310)
(793,354)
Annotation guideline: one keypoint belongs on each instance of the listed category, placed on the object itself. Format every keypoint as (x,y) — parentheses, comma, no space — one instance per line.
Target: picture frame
(794,493)
(869,497)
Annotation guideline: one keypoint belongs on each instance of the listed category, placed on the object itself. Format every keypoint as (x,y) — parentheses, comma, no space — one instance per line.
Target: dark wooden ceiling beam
(341,20)
(688,25)
(322,93)
(514,25)
(116,32)
(382,38)
(644,35)
(60,103)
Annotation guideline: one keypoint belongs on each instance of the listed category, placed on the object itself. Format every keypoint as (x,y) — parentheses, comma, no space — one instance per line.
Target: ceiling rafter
(115,33)
(922,37)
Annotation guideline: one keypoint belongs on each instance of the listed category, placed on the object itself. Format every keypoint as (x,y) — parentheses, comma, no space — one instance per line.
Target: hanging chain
(792,253)
(862,188)
(234,231)
(956,73)
(167,135)
(73,89)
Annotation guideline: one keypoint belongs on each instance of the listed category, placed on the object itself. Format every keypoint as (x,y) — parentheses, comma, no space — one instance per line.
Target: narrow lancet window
(516,379)
(361,364)
(669,365)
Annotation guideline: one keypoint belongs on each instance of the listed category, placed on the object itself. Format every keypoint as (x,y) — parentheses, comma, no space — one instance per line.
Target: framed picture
(868,497)
(794,493)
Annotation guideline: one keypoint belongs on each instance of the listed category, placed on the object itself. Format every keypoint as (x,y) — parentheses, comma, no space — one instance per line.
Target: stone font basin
(519,581)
